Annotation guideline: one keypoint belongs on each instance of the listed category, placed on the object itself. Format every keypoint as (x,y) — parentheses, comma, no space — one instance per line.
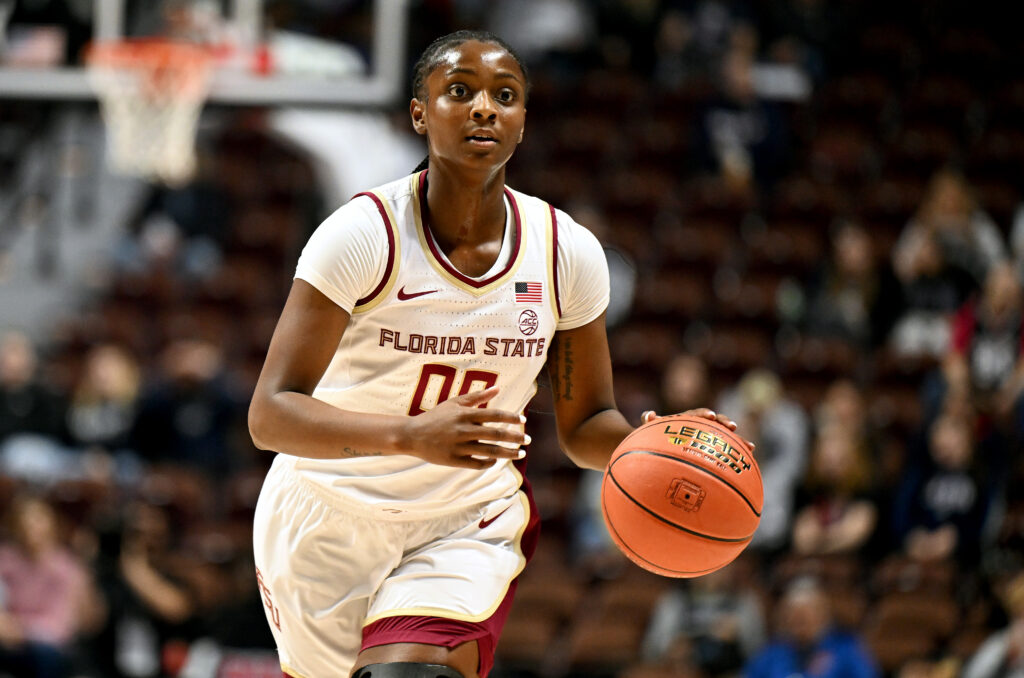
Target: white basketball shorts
(337,576)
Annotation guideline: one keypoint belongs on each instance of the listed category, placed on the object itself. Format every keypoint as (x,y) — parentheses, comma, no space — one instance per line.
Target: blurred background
(814,218)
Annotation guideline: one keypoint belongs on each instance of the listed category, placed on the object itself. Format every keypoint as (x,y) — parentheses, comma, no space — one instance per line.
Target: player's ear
(418,113)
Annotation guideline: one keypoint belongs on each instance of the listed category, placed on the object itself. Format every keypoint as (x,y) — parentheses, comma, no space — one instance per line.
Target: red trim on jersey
(451,633)
(390,228)
(444,262)
(554,259)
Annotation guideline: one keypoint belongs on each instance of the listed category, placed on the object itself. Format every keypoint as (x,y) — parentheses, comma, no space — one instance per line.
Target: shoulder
(395,191)
(772,655)
(574,238)
(371,201)
(845,642)
(367,211)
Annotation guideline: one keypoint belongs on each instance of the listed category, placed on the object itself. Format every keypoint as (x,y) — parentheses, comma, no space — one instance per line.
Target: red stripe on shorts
(451,633)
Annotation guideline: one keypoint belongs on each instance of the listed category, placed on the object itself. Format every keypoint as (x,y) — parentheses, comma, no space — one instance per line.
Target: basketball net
(151,94)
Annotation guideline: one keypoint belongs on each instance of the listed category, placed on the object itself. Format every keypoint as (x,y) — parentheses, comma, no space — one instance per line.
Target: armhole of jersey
(553,268)
(387,281)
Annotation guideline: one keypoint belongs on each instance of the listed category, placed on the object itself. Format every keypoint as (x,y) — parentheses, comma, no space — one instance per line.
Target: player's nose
(483,106)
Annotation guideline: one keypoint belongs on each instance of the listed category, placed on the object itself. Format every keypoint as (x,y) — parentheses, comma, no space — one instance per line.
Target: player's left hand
(703,412)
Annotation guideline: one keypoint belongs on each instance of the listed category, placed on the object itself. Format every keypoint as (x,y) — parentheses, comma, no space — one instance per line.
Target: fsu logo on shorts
(528,322)
(685,494)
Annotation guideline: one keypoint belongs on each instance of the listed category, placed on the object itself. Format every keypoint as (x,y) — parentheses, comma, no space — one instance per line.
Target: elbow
(582,457)
(256,421)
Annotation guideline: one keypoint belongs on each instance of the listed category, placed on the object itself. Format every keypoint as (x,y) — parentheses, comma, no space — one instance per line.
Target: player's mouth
(482,140)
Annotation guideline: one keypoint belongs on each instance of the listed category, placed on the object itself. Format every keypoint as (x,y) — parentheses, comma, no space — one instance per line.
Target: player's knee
(407,670)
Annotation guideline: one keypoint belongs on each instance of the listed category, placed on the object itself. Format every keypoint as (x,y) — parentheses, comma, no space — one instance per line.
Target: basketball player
(392,526)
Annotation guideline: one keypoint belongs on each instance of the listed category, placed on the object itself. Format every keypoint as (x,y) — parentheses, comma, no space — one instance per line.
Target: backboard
(267,52)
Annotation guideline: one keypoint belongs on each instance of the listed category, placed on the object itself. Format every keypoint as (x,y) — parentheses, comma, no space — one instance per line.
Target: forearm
(590,426)
(169,602)
(591,443)
(298,424)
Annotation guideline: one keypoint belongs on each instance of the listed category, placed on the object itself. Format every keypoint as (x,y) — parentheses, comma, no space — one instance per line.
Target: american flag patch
(528,292)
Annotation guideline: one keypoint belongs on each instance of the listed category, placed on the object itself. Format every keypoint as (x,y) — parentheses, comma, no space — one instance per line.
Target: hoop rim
(138,51)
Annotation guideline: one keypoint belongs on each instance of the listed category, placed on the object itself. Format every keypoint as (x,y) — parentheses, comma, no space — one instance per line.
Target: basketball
(682,496)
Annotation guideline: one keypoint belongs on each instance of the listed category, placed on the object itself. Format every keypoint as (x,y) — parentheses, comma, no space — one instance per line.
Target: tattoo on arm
(351,452)
(561,370)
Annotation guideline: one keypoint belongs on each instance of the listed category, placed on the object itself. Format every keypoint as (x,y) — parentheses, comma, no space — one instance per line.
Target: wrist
(400,436)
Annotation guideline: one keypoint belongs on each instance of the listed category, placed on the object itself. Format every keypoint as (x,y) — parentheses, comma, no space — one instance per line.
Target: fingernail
(527,439)
(522,418)
(522,453)
(712,413)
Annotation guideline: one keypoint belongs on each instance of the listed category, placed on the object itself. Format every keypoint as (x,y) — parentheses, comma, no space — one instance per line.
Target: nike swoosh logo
(406,296)
(484,523)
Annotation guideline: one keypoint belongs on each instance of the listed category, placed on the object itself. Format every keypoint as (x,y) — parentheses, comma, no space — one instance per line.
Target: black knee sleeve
(407,670)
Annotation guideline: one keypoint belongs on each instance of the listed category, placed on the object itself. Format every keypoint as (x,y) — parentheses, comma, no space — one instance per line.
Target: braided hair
(431,59)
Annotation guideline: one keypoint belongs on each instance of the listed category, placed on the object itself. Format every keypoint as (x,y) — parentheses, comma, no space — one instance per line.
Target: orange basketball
(682,496)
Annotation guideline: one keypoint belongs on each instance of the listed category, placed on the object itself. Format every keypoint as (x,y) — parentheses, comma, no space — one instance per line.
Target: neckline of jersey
(435,253)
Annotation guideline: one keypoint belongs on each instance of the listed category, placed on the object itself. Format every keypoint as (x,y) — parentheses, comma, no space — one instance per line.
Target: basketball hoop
(151,94)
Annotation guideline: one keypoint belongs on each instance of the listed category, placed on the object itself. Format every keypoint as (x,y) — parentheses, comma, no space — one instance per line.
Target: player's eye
(506,96)
(458,91)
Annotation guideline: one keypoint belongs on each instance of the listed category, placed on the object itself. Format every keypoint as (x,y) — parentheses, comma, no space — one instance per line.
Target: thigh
(458,567)
(317,569)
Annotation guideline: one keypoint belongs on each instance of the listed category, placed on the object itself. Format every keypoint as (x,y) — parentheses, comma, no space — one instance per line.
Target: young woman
(392,527)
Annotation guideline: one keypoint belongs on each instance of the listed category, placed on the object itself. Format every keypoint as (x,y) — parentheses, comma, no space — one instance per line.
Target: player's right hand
(458,432)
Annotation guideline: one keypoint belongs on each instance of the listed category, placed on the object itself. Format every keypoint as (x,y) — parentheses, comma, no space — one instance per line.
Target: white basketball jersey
(427,332)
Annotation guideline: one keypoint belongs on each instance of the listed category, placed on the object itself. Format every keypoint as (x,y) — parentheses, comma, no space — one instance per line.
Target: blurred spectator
(739,136)
(1002,653)
(779,428)
(48,595)
(182,228)
(714,26)
(810,33)
(932,290)
(144,580)
(843,406)
(102,410)
(594,553)
(555,31)
(684,384)
(27,405)
(677,60)
(807,643)
(190,415)
(716,619)
(986,357)
(838,510)
(32,429)
(943,254)
(944,499)
(950,217)
(854,296)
